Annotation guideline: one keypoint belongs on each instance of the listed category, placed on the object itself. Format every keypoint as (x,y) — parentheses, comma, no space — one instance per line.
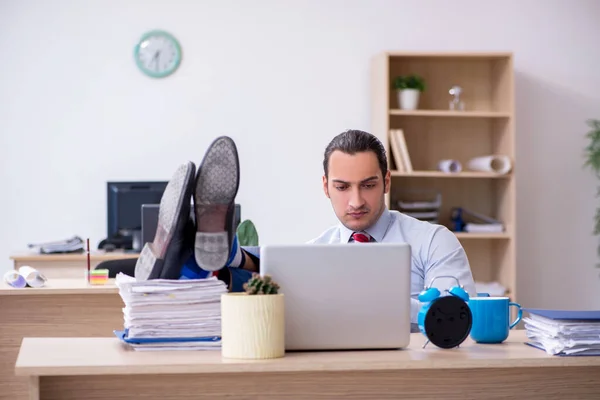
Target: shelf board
(448,113)
(466,235)
(439,174)
(452,55)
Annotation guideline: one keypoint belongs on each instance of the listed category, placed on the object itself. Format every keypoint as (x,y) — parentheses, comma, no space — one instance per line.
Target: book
(400,151)
(396,153)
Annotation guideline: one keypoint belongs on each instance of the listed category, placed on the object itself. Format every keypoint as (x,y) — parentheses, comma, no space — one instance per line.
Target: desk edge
(275,367)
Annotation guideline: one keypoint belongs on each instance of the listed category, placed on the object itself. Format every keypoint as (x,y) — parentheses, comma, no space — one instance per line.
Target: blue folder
(566,315)
(122,335)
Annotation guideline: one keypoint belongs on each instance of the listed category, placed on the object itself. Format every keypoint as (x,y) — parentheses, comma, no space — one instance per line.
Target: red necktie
(361,237)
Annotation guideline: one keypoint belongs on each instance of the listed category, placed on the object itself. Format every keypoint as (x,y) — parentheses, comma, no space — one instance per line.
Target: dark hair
(354,141)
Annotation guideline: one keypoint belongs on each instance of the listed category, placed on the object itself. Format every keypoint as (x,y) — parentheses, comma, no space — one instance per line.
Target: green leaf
(592,150)
(409,82)
(592,161)
(247,234)
(597,222)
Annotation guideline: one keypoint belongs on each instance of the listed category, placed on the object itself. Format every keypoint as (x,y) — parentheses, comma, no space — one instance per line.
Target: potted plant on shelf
(408,89)
(592,160)
(253,322)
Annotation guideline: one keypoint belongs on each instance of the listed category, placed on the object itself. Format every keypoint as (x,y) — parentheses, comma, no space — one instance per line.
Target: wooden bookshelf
(433,132)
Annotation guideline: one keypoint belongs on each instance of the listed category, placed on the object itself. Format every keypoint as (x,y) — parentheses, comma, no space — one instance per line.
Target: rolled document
(14,279)
(496,164)
(449,166)
(33,277)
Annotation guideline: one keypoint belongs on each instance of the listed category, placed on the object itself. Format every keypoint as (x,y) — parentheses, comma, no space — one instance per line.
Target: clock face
(158,54)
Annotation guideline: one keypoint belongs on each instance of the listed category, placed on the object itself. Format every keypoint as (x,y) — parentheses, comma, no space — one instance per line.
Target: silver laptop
(342,296)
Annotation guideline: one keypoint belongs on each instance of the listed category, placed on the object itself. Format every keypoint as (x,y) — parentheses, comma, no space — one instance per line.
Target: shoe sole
(159,258)
(217,184)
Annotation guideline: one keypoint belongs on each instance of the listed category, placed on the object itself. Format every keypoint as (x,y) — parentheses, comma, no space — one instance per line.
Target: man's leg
(171,246)
(242,262)
(217,183)
(251,256)
(217,248)
(236,275)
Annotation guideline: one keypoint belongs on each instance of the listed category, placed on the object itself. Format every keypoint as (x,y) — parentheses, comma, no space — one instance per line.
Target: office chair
(126,266)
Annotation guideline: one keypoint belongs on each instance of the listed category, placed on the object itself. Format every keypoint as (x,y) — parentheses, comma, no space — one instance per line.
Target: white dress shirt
(435,251)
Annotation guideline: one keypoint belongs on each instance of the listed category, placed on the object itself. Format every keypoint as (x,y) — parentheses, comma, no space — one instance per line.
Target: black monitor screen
(124,205)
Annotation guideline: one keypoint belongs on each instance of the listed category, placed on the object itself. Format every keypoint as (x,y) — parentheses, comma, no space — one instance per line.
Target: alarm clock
(445,320)
(157,54)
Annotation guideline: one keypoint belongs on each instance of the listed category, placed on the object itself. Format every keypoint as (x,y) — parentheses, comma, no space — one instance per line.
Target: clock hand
(157,56)
(155,59)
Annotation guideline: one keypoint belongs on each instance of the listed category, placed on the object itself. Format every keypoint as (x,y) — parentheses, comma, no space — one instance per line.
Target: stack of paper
(71,245)
(478,223)
(171,314)
(564,332)
(421,204)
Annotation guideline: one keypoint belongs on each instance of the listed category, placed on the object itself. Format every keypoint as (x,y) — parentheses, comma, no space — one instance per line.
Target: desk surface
(101,356)
(60,286)
(98,255)
(67,307)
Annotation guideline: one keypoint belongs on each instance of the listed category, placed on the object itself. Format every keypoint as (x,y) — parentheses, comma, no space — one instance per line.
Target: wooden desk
(66,307)
(67,368)
(66,265)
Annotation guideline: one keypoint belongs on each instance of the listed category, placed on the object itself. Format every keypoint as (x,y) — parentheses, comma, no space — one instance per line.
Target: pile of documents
(474,222)
(71,245)
(166,314)
(568,333)
(421,204)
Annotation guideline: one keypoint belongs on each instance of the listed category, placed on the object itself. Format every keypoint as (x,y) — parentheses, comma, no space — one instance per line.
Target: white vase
(408,99)
(252,326)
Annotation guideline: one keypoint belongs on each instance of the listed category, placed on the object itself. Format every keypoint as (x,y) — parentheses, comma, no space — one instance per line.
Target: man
(356,180)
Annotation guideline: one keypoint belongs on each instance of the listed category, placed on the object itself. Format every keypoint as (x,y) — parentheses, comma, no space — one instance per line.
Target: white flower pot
(408,99)
(252,326)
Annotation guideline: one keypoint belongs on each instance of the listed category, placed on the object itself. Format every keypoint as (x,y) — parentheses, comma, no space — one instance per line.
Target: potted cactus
(252,322)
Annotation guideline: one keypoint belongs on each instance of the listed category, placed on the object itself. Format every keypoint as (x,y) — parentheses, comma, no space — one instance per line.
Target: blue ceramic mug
(491,318)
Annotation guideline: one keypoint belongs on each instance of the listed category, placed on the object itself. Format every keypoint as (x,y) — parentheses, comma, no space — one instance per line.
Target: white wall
(281,78)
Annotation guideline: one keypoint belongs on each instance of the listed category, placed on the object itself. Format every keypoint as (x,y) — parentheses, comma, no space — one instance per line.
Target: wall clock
(157,54)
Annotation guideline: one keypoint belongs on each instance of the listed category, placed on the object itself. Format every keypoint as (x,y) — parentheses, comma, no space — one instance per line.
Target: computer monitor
(124,208)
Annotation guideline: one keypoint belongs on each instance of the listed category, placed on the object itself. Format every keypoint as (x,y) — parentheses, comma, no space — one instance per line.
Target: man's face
(356,188)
